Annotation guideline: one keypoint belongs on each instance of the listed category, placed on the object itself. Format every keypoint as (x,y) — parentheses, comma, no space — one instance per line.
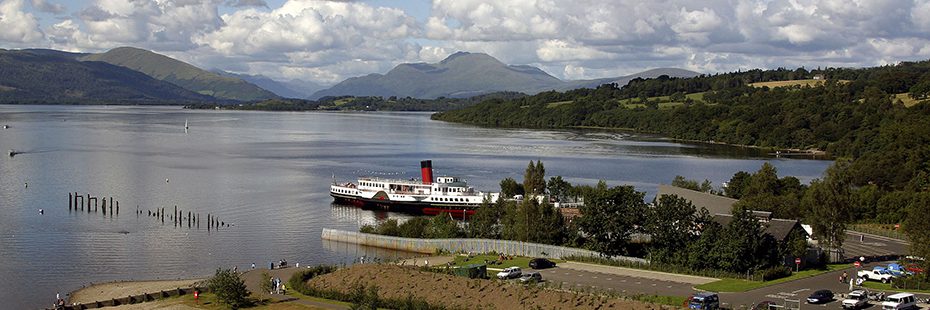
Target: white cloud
(16,25)
(327,41)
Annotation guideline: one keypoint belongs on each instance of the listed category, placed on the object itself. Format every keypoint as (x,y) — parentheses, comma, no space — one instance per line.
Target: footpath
(253,282)
(638,273)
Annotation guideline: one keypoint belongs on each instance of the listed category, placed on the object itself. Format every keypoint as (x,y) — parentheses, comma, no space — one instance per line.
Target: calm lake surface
(268,175)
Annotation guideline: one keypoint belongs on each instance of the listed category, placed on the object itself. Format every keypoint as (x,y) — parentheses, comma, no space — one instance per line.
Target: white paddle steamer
(446,194)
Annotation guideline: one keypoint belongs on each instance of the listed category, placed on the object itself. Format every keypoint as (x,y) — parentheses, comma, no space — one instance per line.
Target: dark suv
(541,263)
(704,301)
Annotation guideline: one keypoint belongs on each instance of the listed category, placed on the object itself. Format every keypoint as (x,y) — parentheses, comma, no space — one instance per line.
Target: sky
(329,41)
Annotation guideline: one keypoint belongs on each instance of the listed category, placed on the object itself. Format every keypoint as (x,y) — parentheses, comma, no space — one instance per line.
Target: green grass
(556,104)
(886,230)
(664,101)
(739,285)
(906,99)
(887,287)
(519,261)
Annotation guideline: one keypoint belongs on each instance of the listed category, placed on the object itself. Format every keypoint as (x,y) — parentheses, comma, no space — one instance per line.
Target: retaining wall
(459,245)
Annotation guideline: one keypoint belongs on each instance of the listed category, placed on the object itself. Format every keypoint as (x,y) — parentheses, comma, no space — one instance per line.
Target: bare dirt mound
(397,282)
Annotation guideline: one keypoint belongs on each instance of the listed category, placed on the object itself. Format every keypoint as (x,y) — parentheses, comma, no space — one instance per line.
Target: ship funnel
(426,168)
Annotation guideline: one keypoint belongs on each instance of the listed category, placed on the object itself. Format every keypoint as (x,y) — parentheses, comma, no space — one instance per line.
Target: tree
(229,288)
(737,185)
(610,216)
(414,228)
(672,223)
(510,188)
(442,226)
(917,229)
(829,203)
(558,187)
(534,179)
(486,221)
(745,245)
(680,181)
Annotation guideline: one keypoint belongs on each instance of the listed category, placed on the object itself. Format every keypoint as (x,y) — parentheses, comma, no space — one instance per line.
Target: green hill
(45,76)
(182,74)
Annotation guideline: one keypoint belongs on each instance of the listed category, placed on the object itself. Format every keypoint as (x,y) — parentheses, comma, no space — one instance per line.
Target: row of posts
(77,202)
(178,218)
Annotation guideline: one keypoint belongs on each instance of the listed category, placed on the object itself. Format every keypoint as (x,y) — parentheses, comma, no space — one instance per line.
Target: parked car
(820,296)
(531,277)
(704,300)
(898,270)
(882,275)
(900,301)
(856,300)
(541,263)
(509,273)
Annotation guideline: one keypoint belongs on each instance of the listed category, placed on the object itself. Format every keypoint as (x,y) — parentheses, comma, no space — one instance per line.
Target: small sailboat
(13,153)
(185,124)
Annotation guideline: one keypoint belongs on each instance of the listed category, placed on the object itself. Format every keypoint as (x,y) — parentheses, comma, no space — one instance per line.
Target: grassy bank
(739,285)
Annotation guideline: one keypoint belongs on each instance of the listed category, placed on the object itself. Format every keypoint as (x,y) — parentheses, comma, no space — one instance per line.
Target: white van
(900,301)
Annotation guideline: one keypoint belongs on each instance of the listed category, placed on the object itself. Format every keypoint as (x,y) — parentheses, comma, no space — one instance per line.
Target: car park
(509,273)
(900,301)
(820,296)
(531,277)
(704,300)
(541,263)
(878,274)
(857,299)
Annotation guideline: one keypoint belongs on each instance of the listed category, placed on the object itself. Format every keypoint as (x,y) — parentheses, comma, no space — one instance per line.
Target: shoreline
(120,289)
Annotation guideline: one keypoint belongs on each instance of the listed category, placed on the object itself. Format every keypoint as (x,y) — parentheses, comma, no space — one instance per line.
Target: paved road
(797,290)
(596,281)
(861,244)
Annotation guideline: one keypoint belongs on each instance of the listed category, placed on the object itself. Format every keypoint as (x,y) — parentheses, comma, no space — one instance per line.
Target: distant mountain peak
(466,73)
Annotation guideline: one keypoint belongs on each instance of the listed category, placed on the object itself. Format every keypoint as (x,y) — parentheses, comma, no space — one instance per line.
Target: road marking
(653,284)
(609,279)
(594,277)
(669,286)
(801,290)
(623,280)
(637,282)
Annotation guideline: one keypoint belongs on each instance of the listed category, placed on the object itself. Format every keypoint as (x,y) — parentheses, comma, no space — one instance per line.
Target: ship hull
(425,208)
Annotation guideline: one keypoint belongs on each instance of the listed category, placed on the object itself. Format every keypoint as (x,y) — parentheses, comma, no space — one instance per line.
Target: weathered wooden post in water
(70,201)
(89,199)
(117,207)
(104,207)
(76,196)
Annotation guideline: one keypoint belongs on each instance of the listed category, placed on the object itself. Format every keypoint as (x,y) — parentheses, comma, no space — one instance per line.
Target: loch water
(267,175)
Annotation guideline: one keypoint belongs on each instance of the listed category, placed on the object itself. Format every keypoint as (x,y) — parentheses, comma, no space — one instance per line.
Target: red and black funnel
(426,168)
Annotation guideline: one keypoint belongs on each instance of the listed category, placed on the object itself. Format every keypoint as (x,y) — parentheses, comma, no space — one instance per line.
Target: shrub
(229,288)
(777,272)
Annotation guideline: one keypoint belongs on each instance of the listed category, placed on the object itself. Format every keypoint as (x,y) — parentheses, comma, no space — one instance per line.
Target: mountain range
(45,76)
(466,74)
(132,75)
(182,74)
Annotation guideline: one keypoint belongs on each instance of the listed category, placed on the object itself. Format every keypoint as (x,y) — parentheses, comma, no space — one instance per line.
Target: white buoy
(41,211)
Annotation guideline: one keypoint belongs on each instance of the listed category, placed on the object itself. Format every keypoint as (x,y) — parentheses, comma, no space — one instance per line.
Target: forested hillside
(852,114)
(42,76)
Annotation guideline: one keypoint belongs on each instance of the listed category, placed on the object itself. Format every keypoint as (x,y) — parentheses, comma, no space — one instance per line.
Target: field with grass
(740,285)
(808,82)
(906,99)
(208,301)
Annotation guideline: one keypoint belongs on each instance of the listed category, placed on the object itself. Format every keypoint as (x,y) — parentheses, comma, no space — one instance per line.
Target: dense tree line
(369,103)
(680,234)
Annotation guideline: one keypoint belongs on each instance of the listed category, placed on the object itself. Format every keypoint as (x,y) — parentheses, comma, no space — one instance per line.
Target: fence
(884,230)
(430,246)
(133,299)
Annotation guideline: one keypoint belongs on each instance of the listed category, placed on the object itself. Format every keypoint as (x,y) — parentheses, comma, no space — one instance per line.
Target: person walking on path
(843,280)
